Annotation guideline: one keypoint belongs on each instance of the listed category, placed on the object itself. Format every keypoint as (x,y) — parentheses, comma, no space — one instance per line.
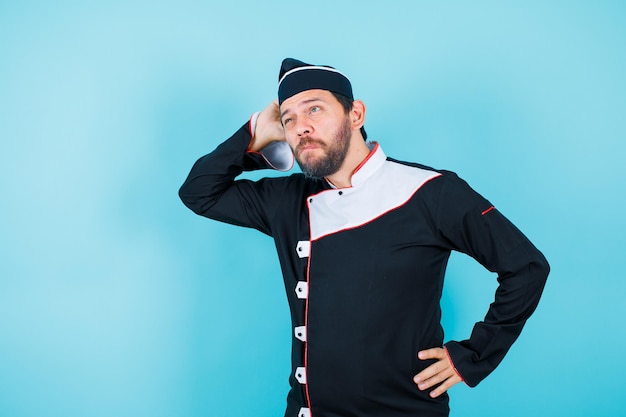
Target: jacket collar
(374,160)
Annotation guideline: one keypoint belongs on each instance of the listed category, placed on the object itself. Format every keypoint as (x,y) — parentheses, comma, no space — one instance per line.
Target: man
(363,241)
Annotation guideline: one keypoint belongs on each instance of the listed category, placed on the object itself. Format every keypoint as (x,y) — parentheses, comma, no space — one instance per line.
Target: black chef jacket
(363,267)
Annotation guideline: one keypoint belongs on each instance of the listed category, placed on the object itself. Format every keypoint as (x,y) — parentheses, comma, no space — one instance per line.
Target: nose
(303,127)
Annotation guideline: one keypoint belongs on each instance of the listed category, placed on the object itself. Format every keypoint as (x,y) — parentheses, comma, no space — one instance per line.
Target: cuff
(278,155)
(252,123)
(454,366)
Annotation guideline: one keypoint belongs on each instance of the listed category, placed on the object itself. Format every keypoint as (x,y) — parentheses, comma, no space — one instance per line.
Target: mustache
(307,140)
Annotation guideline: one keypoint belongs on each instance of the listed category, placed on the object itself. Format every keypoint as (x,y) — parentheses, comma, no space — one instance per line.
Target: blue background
(115,300)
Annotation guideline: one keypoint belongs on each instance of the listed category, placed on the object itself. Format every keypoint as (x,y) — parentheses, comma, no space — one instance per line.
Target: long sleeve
(470,224)
(211,190)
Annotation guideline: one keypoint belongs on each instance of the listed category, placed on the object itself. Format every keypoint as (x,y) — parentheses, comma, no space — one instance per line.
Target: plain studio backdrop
(115,300)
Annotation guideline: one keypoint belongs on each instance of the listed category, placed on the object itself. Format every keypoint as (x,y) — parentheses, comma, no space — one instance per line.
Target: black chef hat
(296,76)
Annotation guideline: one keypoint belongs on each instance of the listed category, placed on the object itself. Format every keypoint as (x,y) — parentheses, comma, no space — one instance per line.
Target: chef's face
(318,131)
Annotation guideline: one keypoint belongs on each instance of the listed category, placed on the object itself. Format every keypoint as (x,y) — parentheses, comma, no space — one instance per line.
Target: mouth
(308,145)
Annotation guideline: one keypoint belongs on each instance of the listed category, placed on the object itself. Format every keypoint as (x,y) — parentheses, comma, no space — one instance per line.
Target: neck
(356,155)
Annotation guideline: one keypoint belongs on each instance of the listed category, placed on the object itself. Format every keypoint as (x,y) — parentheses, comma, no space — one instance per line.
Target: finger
(276,109)
(437,378)
(429,372)
(433,353)
(445,386)
(440,390)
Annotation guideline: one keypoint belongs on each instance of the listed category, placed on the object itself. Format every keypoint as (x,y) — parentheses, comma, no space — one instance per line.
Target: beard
(335,153)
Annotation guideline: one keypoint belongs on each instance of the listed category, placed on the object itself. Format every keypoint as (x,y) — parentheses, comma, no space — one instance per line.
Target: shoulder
(442,187)
(443,177)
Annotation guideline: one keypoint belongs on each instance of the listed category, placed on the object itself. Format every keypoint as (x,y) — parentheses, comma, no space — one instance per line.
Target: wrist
(253,119)
(252,128)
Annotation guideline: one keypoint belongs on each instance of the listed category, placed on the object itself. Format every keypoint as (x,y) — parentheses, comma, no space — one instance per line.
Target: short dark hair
(346,103)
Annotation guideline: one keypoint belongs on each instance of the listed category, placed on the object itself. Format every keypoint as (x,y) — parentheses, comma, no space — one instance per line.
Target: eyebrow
(308,101)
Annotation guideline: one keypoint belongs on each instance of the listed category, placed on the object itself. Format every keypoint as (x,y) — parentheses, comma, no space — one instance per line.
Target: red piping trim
(488,210)
(454,367)
(367,158)
(267,160)
(306,320)
(363,162)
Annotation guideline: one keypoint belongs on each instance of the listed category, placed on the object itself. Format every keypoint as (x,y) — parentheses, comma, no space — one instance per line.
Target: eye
(287,120)
(315,109)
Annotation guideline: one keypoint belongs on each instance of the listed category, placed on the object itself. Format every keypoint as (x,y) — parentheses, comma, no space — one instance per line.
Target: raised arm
(211,190)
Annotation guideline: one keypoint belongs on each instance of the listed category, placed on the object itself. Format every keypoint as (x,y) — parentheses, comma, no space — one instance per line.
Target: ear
(357,114)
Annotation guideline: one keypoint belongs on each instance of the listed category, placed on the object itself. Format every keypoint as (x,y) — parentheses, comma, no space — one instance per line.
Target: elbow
(539,269)
(189,200)
(547,269)
(544,267)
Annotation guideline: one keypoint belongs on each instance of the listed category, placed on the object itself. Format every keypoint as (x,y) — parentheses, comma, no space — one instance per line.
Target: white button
(301,375)
(304,412)
(303,248)
(302,289)
(300,333)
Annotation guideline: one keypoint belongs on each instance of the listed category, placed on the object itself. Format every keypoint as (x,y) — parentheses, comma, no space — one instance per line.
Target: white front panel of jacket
(388,188)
